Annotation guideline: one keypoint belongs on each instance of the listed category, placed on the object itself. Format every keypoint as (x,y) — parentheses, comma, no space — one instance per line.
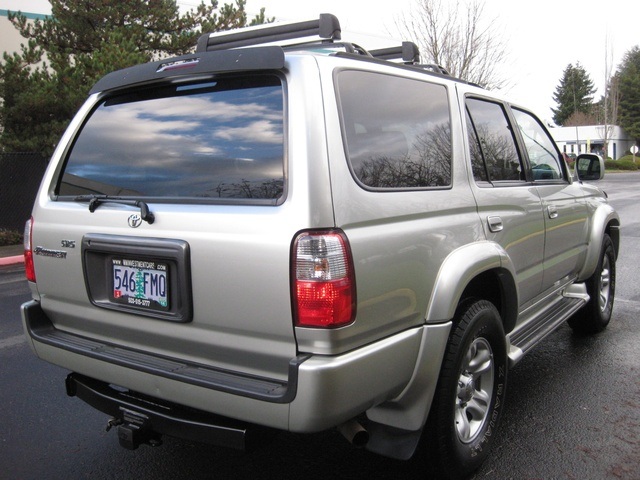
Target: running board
(549,319)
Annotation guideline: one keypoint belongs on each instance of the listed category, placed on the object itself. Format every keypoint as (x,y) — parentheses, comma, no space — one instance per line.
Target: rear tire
(469,398)
(601,287)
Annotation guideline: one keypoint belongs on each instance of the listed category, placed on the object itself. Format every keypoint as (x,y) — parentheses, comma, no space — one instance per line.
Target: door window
(494,156)
(544,157)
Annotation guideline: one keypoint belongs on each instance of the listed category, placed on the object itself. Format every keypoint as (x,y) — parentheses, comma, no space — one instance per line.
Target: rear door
(508,204)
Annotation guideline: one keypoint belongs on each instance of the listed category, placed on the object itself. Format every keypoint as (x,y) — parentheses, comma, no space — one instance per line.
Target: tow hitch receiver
(133,430)
(141,419)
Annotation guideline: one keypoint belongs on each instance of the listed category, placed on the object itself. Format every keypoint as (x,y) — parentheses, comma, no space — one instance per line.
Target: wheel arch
(480,270)
(613,230)
(605,220)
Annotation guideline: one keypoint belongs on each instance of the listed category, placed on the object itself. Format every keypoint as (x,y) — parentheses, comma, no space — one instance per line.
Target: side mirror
(589,167)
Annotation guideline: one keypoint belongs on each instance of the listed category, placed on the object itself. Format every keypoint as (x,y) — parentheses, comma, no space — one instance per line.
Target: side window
(543,154)
(494,156)
(477,160)
(397,130)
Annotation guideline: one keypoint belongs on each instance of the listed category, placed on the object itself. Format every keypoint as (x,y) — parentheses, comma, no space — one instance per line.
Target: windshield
(217,140)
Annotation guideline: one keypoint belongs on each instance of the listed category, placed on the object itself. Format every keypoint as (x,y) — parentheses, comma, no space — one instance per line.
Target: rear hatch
(165,228)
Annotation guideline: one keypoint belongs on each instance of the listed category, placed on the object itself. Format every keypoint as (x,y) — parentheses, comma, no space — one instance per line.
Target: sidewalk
(11,255)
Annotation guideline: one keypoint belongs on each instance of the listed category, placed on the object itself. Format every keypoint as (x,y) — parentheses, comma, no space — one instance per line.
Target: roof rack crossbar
(326,27)
(408,52)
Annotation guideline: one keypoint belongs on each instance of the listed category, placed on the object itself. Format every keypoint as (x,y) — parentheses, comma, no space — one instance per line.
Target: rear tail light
(324,293)
(29,270)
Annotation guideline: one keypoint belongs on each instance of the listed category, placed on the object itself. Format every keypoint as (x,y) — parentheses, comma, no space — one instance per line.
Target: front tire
(601,287)
(469,398)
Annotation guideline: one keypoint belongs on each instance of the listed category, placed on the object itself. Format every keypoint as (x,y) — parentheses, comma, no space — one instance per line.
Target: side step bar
(143,420)
(548,320)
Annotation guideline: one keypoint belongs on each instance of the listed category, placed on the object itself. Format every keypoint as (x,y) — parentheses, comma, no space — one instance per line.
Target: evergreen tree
(629,91)
(573,94)
(43,85)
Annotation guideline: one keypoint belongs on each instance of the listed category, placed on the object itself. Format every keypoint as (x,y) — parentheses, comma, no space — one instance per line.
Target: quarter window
(397,130)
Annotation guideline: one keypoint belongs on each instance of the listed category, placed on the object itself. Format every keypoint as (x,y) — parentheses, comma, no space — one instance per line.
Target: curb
(11,260)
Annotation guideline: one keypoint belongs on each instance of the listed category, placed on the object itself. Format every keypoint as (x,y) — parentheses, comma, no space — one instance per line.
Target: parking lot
(573,407)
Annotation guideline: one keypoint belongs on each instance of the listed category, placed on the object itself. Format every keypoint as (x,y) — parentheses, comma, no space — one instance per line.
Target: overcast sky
(543,37)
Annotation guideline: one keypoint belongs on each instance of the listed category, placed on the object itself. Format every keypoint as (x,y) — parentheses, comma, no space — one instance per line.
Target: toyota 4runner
(294,233)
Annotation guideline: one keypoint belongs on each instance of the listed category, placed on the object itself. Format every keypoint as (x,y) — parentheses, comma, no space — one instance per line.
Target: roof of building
(588,132)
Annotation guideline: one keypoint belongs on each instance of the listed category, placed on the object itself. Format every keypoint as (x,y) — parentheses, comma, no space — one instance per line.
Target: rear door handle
(495,223)
(552,211)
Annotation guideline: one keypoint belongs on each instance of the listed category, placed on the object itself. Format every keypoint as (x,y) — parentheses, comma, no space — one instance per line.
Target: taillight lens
(29,270)
(324,293)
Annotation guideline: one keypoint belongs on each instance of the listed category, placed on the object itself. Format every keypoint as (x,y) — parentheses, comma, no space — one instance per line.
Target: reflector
(29,269)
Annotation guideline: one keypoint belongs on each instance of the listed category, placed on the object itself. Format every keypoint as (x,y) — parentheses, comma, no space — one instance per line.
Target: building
(590,139)
(10,38)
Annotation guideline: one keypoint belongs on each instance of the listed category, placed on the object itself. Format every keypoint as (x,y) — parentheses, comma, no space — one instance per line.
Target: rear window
(217,140)
(397,130)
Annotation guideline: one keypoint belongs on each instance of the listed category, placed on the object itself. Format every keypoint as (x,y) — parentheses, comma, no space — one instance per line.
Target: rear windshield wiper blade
(96,200)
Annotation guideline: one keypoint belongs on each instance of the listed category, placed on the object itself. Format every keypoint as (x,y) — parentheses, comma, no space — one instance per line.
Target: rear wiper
(96,200)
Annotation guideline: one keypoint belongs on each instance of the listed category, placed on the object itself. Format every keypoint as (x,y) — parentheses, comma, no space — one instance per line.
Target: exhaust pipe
(354,433)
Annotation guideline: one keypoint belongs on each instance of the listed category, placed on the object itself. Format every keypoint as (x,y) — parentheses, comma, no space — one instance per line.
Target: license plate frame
(140,283)
(98,254)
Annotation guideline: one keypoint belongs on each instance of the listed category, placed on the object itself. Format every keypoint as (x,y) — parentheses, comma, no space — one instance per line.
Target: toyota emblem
(135,220)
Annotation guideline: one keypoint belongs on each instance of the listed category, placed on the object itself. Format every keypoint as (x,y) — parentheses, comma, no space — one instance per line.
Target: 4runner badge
(134,220)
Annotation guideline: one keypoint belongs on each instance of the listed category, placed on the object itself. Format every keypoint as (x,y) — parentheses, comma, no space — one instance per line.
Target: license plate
(141,283)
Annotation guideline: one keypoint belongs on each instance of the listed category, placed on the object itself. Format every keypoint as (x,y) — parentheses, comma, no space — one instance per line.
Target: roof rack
(408,52)
(321,34)
(327,27)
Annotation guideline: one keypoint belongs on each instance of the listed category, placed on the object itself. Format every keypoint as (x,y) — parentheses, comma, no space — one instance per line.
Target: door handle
(495,223)
(552,211)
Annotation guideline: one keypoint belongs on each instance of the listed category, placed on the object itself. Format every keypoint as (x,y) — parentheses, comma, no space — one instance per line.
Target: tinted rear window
(217,140)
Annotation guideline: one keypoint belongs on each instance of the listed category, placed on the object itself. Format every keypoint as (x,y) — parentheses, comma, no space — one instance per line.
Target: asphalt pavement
(572,409)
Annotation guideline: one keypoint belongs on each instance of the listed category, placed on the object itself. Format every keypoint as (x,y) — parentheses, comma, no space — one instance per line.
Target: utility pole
(575,108)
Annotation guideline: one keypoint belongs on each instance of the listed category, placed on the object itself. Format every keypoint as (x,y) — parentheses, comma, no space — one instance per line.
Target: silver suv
(279,232)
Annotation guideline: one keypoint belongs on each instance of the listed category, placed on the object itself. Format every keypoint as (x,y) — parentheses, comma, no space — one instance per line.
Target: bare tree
(457,35)
(428,164)
(610,98)
(580,119)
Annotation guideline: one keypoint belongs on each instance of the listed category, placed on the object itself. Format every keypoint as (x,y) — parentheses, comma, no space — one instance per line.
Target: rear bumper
(319,393)
(41,330)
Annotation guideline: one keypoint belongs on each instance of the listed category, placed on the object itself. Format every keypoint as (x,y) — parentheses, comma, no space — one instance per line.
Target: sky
(542,37)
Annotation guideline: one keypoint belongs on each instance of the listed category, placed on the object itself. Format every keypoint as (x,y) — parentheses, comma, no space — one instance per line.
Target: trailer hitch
(134,430)
(140,419)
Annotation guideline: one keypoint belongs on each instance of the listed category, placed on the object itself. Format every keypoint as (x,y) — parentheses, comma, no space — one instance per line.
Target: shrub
(10,237)
(625,163)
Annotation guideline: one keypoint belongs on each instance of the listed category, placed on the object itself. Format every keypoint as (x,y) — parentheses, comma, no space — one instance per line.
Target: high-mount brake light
(29,269)
(324,293)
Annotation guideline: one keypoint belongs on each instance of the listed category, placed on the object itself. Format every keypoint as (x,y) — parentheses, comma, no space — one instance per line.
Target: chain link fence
(20,176)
